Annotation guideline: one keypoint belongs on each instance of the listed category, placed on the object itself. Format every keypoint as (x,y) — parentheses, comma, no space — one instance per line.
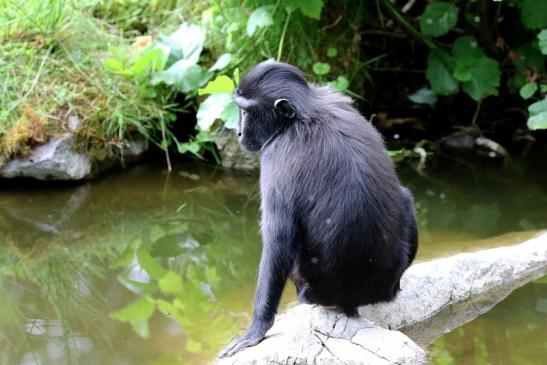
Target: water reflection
(144,268)
(511,333)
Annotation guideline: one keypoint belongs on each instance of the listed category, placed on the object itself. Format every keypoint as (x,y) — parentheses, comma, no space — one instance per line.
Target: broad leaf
(438,19)
(538,115)
(332,52)
(528,90)
(542,36)
(341,83)
(538,121)
(320,68)
(171,283)
(439,76)
(259,18)
(211,109)
(230,115)
(188,42)
(222,62)
(149,264)
(310,8)
(137,314)
(184,75)
(533,13)
(221,85)
(466,48)
(424,96)
(485,78)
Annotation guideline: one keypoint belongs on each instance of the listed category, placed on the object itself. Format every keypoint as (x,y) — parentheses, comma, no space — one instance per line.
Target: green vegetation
(148,67)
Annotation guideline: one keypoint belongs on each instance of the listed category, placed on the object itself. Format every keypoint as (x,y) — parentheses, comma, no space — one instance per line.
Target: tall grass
(50,60)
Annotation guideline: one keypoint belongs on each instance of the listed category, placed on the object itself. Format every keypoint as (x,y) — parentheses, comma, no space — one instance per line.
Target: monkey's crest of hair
(270,81)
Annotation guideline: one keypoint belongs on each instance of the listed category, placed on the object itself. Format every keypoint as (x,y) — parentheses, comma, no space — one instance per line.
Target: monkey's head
(271,96)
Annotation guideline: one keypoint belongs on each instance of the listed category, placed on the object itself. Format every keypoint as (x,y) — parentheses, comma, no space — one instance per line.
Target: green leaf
(192,147)
(332,52)
(341,83)
(230,115)
(171,283)
(193,347)
(222,62)
(221,85)
(423,96)
(538,121)
(211,109)
(139,310)
(184,75)
(149,264)
(310,8)
(528,90)
(115,66)
(439,76)
(533,13)
(466,48)
(485,78)
(320,68)
(462,72)
(538,115)
(438,19)
(186,42)
(152,59)
(259,18)
(542,36)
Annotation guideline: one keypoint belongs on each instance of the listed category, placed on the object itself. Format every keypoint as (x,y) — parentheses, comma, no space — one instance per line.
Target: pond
(145,267)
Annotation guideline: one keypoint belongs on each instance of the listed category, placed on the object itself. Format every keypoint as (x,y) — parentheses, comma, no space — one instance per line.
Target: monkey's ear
(285,108)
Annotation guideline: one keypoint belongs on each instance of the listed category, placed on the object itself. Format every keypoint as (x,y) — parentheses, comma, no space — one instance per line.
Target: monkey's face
(266,98)
(255,125)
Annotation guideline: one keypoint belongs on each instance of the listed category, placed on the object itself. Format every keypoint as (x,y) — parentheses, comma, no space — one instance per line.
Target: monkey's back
(341,185)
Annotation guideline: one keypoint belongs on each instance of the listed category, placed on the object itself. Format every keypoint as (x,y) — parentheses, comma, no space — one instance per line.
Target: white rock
(436,296)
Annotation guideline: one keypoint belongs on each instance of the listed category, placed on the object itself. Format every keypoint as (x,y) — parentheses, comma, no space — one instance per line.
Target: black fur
(335,218)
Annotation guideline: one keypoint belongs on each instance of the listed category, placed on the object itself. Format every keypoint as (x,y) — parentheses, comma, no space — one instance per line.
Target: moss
(31,129)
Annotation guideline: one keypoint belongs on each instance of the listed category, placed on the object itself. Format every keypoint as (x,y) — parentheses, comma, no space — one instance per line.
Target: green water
(143,267)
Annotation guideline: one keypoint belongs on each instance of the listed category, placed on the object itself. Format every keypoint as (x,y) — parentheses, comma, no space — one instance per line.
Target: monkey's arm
(278,255)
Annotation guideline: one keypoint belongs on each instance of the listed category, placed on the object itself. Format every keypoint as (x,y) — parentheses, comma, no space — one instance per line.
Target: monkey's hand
(254,335)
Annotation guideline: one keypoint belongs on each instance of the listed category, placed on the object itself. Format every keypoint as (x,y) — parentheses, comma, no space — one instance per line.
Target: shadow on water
(145,267)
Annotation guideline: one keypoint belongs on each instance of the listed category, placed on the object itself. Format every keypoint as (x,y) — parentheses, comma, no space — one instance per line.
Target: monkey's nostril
(239,134)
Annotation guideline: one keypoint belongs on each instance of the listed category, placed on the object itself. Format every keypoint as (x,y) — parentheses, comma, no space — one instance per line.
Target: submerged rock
(57,159)
(436,297)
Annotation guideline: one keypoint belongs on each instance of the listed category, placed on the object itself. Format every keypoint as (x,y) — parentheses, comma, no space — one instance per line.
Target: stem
(476,115)
(409,28)
(164,140)
(280,48)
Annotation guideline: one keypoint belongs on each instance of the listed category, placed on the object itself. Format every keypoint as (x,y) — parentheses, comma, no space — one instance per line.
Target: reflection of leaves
(193,347)
(137,314)
(170,245)
(134,286)
(171,283)
(150,265)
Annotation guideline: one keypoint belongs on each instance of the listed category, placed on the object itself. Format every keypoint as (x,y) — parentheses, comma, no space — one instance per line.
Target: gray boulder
(58,159)
(436,297)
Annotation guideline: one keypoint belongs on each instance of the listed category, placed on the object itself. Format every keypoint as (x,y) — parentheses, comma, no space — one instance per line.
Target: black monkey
(335,218)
